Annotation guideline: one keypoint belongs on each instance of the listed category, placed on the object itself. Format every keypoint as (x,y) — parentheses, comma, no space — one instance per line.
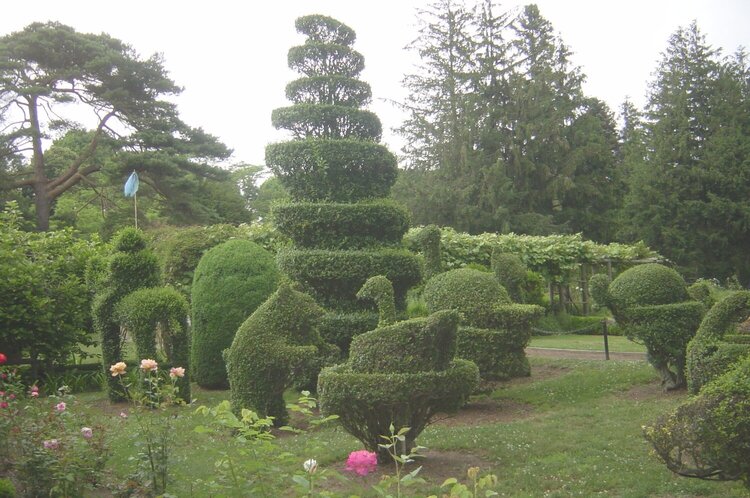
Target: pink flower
(361,462)
(2,393)
(87,432)
(11,396)
(175,372)
(3,404)
(51,444)
(3,358)
(123,415)
(34,394)
(149,365)
(60,407)
(118,368)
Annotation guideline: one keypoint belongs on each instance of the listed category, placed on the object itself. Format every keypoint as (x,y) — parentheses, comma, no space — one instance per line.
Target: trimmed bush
(380,290)
(599,288)
(342,226)
(702,291)
(230,282)
(428,239)
(129,268)
(327,120)
(651,303)
(276,346)
(715,348)
(709,436)
(340,328)
(649,284)
(470,292)
(160,315)
(335,277)
(329,89)
(511,273)
(499,354)
(418,380)
(342,170)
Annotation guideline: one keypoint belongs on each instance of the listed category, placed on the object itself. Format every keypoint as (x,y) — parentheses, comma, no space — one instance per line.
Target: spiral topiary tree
(401,374)
(230,282)
(343,228)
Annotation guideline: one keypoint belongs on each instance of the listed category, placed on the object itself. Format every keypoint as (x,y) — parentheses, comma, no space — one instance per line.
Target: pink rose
(118,368)
(3,358)
(149,365)
(175,372)
(60,407)
(361,462)
(34,394)
(87,432)
(3,404)
(11,396)
(123,415)
(51,444)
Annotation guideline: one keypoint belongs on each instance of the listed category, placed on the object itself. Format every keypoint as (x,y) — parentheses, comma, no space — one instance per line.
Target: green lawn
(617,344)
(579,434)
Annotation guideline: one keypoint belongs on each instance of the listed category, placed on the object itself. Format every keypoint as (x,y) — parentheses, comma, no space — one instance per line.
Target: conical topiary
(343,228)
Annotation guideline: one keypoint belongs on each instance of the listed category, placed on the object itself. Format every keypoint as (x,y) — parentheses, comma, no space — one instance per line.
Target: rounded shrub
(709,436)
(715,348)
(276,346)
(230,282)
(510,272)
(599,288)
(470,292)
(648,284)
(401,376)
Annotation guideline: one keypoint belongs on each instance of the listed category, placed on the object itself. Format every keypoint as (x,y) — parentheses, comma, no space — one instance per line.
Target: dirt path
(580,354)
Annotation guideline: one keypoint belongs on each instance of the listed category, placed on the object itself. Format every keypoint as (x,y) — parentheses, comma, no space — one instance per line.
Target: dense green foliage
(159,315)
(130,267)
(380,290)
(554,256)
(428,240)
(511,273)
(44,300)
(652,305)
(275,346)
(716,346)
(399,376)
(52,73)
(470,292)
(338,328)
(230,282)
(340,226)
(499,354)
(709,436)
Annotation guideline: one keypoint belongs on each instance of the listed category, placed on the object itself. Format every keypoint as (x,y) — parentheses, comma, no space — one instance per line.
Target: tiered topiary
(717,345)
(494,331)
(145,312)
(277,346)
(130,267)
(402,374)
(338,176)
(230,282)
(652,304)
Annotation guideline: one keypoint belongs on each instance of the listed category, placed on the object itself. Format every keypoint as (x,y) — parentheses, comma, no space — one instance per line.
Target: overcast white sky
(230,56)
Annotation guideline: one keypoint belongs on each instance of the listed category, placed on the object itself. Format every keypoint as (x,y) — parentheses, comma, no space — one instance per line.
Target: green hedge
(412,346)
(710,353)
(330,89)
(230,282)
(340,328)
(334,277)
(428,240)
(327,121)
(511,273)
(380,290)
(470,292)
(342,170)
(368,403)
(649,284)
(316,58)
(276,346)
(499,354)
(709,436)
(342,226)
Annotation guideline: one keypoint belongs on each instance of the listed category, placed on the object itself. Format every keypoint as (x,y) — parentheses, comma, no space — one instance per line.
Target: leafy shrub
(702,291)
(230,282)
(428,240)
(499,354)
(468,291)
(380,290)
(44,299)
(340,226)
(277,344)
(329,89)
(599,288)
(145,312)
(371,397)
(709,436)
(7,489)
(652,305)
(339,328)
(511,273)
(711,353)
(130,267)
(331,120)
(335,277)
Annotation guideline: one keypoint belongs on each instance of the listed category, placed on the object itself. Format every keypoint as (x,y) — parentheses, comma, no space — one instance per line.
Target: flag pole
(135,204)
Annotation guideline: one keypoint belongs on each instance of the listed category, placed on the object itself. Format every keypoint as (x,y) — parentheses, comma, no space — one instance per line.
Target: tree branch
(71,181)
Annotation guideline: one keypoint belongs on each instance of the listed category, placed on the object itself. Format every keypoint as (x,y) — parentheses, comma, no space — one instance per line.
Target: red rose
(3,358)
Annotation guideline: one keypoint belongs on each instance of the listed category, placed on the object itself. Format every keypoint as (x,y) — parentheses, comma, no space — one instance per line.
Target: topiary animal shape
(275,346)
(380,290)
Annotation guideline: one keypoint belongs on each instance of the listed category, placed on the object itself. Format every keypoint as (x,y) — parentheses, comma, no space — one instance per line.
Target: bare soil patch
(650,391)
(577,354)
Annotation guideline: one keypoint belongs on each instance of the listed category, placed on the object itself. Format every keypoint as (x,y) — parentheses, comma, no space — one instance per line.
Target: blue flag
(131,186)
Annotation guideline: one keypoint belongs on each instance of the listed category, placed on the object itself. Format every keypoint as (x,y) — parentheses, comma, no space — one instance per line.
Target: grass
(581,437)
(617,344)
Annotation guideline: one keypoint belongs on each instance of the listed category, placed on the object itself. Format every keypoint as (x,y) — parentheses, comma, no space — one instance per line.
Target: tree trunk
(41,199)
